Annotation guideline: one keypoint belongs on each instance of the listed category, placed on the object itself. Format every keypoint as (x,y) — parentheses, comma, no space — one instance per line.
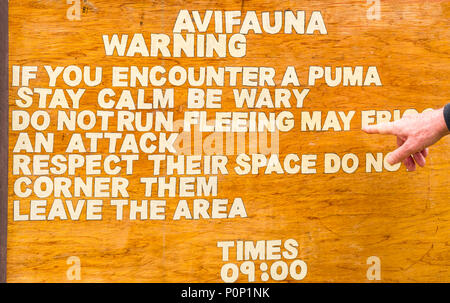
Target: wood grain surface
(339,220)
(4,134)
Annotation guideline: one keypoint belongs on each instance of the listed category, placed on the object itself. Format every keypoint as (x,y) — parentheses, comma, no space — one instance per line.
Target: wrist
(446,114)
(441,120)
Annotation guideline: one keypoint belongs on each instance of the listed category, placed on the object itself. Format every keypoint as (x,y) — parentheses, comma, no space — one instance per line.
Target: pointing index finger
(385,128)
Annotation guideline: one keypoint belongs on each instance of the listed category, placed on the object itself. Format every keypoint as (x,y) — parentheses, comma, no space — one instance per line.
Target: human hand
(414,134)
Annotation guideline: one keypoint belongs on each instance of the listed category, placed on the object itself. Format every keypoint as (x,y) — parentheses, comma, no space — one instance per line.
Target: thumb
(401,153)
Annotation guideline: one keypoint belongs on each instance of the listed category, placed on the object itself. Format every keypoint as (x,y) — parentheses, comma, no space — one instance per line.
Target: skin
(415,133)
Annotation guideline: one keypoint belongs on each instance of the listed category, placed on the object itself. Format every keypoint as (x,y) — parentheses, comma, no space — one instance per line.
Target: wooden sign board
(220,141)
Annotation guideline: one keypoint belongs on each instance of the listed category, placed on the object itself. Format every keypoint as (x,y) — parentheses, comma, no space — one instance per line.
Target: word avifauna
(268,22)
